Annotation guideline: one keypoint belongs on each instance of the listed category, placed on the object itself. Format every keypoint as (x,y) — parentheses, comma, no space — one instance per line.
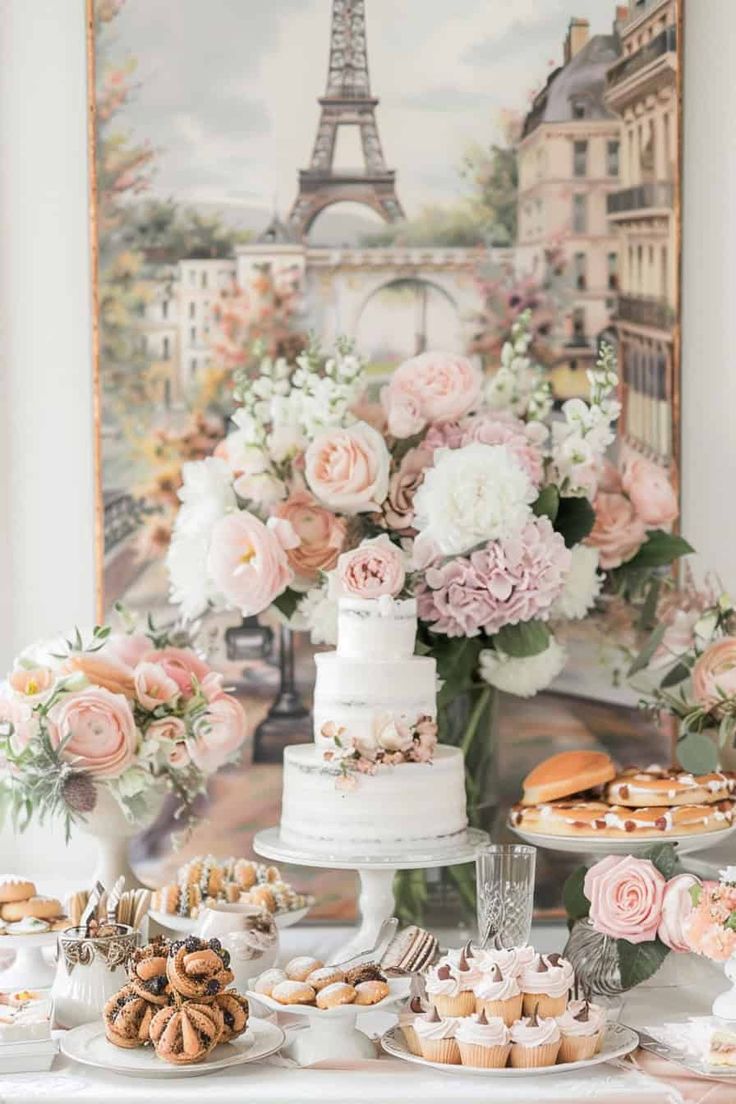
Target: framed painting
(411,178)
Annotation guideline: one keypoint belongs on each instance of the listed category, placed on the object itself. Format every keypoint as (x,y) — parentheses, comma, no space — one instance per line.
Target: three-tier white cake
(375,779)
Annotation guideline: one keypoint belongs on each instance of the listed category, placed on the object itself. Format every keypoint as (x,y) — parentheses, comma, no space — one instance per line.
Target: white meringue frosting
(436,1028)
(593,1021)
(491,1032)
(554,979)
(526,1033)
(493,988)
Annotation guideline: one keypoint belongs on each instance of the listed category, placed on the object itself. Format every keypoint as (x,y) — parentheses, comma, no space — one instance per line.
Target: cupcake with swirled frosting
(449,990)
(581,1025)
(546,984)
(510,960)
(535,1042)
(498,995)
(436,1035)
(407,1019)
(483,1042)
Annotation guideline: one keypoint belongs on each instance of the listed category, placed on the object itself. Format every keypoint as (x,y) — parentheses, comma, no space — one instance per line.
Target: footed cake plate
(186,924)
(626,845)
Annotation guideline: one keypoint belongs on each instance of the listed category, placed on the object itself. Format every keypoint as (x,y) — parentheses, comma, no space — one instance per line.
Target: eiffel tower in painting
(346,102)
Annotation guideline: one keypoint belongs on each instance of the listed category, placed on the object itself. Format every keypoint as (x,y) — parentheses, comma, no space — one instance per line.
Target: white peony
(317,614)
(190,586)
(472,495)
(523,677)
(582,585)
(206,496)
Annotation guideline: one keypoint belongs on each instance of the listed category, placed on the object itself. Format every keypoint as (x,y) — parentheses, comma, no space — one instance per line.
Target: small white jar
(90,968)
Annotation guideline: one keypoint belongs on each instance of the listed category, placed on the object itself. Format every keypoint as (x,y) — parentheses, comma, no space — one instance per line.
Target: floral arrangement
(711,926)
(641,903)
(130,712)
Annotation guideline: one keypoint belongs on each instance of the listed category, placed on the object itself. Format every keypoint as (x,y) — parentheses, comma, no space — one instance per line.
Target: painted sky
(228,88)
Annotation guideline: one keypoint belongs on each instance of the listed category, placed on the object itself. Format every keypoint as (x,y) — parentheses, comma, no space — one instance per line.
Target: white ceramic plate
(617,1041)
(87,1044)
(630,845)
(28,942)
(185,925)
(398,990)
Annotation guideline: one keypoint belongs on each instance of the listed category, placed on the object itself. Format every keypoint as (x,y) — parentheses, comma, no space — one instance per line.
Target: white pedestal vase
(725,1003)
(111,829)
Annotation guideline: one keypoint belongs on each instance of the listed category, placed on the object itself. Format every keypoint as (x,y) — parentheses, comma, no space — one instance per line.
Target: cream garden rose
(248,561)
(348,469)
(431,387)
(374,569)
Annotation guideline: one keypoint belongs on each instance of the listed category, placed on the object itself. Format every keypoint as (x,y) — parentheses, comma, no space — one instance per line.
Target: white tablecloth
(389,1080)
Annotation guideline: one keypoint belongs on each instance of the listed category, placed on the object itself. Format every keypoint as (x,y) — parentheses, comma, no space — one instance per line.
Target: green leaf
(528,638)
(675,675)
(639,961)
(576,903)
(696,892)
(548,502)
(457,662)
(731,922)
(642,660)
(664,857)
(287,602)
(697,753)
(575,518)
(659,550)
(648,615)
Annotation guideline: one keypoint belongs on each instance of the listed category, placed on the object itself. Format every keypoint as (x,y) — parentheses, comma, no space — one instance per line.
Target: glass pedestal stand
(376,873)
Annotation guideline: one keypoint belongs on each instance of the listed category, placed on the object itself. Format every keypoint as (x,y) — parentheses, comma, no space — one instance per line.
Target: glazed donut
(644,788)
(15,889)
(42,908)
(560,818)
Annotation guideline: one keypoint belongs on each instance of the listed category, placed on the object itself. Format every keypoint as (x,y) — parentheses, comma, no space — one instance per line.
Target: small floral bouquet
(711,927)
(641,903)
(130,712)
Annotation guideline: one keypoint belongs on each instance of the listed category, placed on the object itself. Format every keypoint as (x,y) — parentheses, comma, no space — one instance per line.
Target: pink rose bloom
(32,685)
(625,897)
(677,906)
(181,665)
(618,533)
(508,581)
(125,648)
(19,714)
(153,686)
(431,387)
(348,469)
(170,729)
(374,568)
(248,561)
(218,734)
(506,430)
(714,674)
(398,509)
(650,491)
(321,535)
(99,731)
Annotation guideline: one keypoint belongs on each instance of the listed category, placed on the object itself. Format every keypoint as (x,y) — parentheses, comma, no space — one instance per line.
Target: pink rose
(398,509)
(347,469)
(431,387)
(153,686)
(248,561)
(677,905)
(125,648)
(625,897)
(170,729)
(321,535)
(181,665)
(714,674)
(618,533)
(97,729)
(376,567)
(33,685)
(218,733)
(650,491)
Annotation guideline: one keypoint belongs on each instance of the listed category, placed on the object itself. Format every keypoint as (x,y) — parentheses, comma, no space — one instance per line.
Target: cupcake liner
(461,1005)
(509,1010)
(411,1039)
(599,1040)
(484,1057)
(523,1057)
(547,1005)
(575,1048)
(441,1050)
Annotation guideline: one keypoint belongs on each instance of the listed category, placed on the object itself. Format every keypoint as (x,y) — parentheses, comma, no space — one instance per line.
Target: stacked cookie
(581,793)
(498,1007)
(306,980)
(206,878)
(177,1000)
(24,911)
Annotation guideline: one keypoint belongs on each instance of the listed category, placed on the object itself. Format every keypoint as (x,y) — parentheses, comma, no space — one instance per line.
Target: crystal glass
(505,893)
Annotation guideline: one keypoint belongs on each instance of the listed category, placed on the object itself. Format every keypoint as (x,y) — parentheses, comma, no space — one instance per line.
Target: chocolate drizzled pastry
(147,971)
(127,1017)
(186,1034)
(367,971)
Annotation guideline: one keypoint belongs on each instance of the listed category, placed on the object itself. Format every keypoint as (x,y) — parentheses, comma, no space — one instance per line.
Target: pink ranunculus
(218,734)
(714,675)
(125,648)
(677,906)
(504,583)
(248,561)
(32,684)
(650,491)
(321,535)
(180,664)
(18,714)
(170,729)
(431,387)
(376,567)
(618,533)
(625,897)
(153,686)
(348,469)
(398,509)
(97,730)
(504,429)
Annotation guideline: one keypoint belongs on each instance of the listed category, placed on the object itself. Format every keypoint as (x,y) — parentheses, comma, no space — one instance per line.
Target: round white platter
(186,925)
(87,1045)
(628,845)
(617,1041)
(30,969)
(269,844)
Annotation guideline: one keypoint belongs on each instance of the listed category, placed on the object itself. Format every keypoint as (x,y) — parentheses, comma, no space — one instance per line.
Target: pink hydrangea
(504,583)
(519,439)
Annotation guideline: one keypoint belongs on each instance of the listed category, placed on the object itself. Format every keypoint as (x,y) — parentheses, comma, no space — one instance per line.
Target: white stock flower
(728,875)
(206,496)
(523,677)
(472,495)
(318,613)
(262,489)
(582,585)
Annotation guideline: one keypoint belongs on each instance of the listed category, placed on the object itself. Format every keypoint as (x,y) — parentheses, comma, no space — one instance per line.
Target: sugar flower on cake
(522,676)
(375,569)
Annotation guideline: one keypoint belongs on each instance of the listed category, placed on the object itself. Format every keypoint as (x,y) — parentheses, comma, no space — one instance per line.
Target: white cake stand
(30,969)
(376,900)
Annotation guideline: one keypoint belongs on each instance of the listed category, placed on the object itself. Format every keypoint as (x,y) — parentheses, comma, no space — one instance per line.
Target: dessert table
(643,1079)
